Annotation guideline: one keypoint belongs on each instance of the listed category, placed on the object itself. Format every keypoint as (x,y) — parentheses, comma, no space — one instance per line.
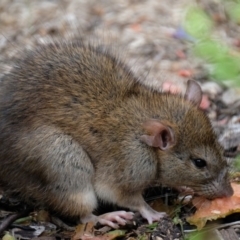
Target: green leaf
(233,9)
(197,23)
(226,69)
(210,50)
(115,234)
(152,226)
(7,236)
(237,163)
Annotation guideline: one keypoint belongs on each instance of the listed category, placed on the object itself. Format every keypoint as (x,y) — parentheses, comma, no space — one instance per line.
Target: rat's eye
(199,163)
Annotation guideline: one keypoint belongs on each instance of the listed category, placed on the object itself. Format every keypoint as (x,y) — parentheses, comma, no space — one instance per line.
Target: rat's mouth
(196,193)
(213,193)
(185,190)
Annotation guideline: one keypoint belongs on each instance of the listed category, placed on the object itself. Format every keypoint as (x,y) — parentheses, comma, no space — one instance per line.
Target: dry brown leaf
(208,210)
(159,206)
(84,231)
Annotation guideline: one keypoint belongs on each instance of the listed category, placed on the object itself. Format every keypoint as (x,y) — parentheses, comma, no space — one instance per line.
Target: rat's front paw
(114,219)
(151,215)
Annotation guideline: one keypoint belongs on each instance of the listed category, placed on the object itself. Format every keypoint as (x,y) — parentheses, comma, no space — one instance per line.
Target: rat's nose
(226,191)
(229,191)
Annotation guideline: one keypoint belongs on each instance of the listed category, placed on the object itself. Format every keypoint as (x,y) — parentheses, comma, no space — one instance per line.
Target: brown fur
(71,121)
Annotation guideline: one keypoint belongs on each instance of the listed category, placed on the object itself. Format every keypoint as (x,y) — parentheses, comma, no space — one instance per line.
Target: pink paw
(114,219)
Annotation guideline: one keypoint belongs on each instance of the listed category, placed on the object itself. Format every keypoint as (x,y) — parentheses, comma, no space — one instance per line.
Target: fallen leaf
(84,231)
(114,234)
(208,210)
(159,206)
(42,216)
(197,23)
(7,236)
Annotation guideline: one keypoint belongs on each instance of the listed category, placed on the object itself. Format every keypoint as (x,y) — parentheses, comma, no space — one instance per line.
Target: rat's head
(188,152)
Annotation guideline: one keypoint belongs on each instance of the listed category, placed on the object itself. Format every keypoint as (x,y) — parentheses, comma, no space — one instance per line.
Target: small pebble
(212,88)
(231,95)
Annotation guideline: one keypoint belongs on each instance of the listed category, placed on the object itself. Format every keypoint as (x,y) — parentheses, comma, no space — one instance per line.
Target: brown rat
(76,124)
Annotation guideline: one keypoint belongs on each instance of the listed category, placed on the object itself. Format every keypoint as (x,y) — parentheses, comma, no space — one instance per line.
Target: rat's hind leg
(54,170)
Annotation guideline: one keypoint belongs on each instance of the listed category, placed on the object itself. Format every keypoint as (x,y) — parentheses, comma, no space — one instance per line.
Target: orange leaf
(218,208)
(84,231)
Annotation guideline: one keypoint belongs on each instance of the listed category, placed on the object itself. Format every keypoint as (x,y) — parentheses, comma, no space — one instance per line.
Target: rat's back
(63,78)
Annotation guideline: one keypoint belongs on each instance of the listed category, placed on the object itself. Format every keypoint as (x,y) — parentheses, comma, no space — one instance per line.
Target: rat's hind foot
(112,219)
(115,219)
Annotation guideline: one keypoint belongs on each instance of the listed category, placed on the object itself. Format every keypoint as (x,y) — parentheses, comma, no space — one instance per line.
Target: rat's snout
(221,190)
(221,187)
(216,189)
(227,191)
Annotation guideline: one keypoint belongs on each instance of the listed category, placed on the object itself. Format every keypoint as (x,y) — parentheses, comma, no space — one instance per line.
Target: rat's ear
(159,135)
(193,92)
